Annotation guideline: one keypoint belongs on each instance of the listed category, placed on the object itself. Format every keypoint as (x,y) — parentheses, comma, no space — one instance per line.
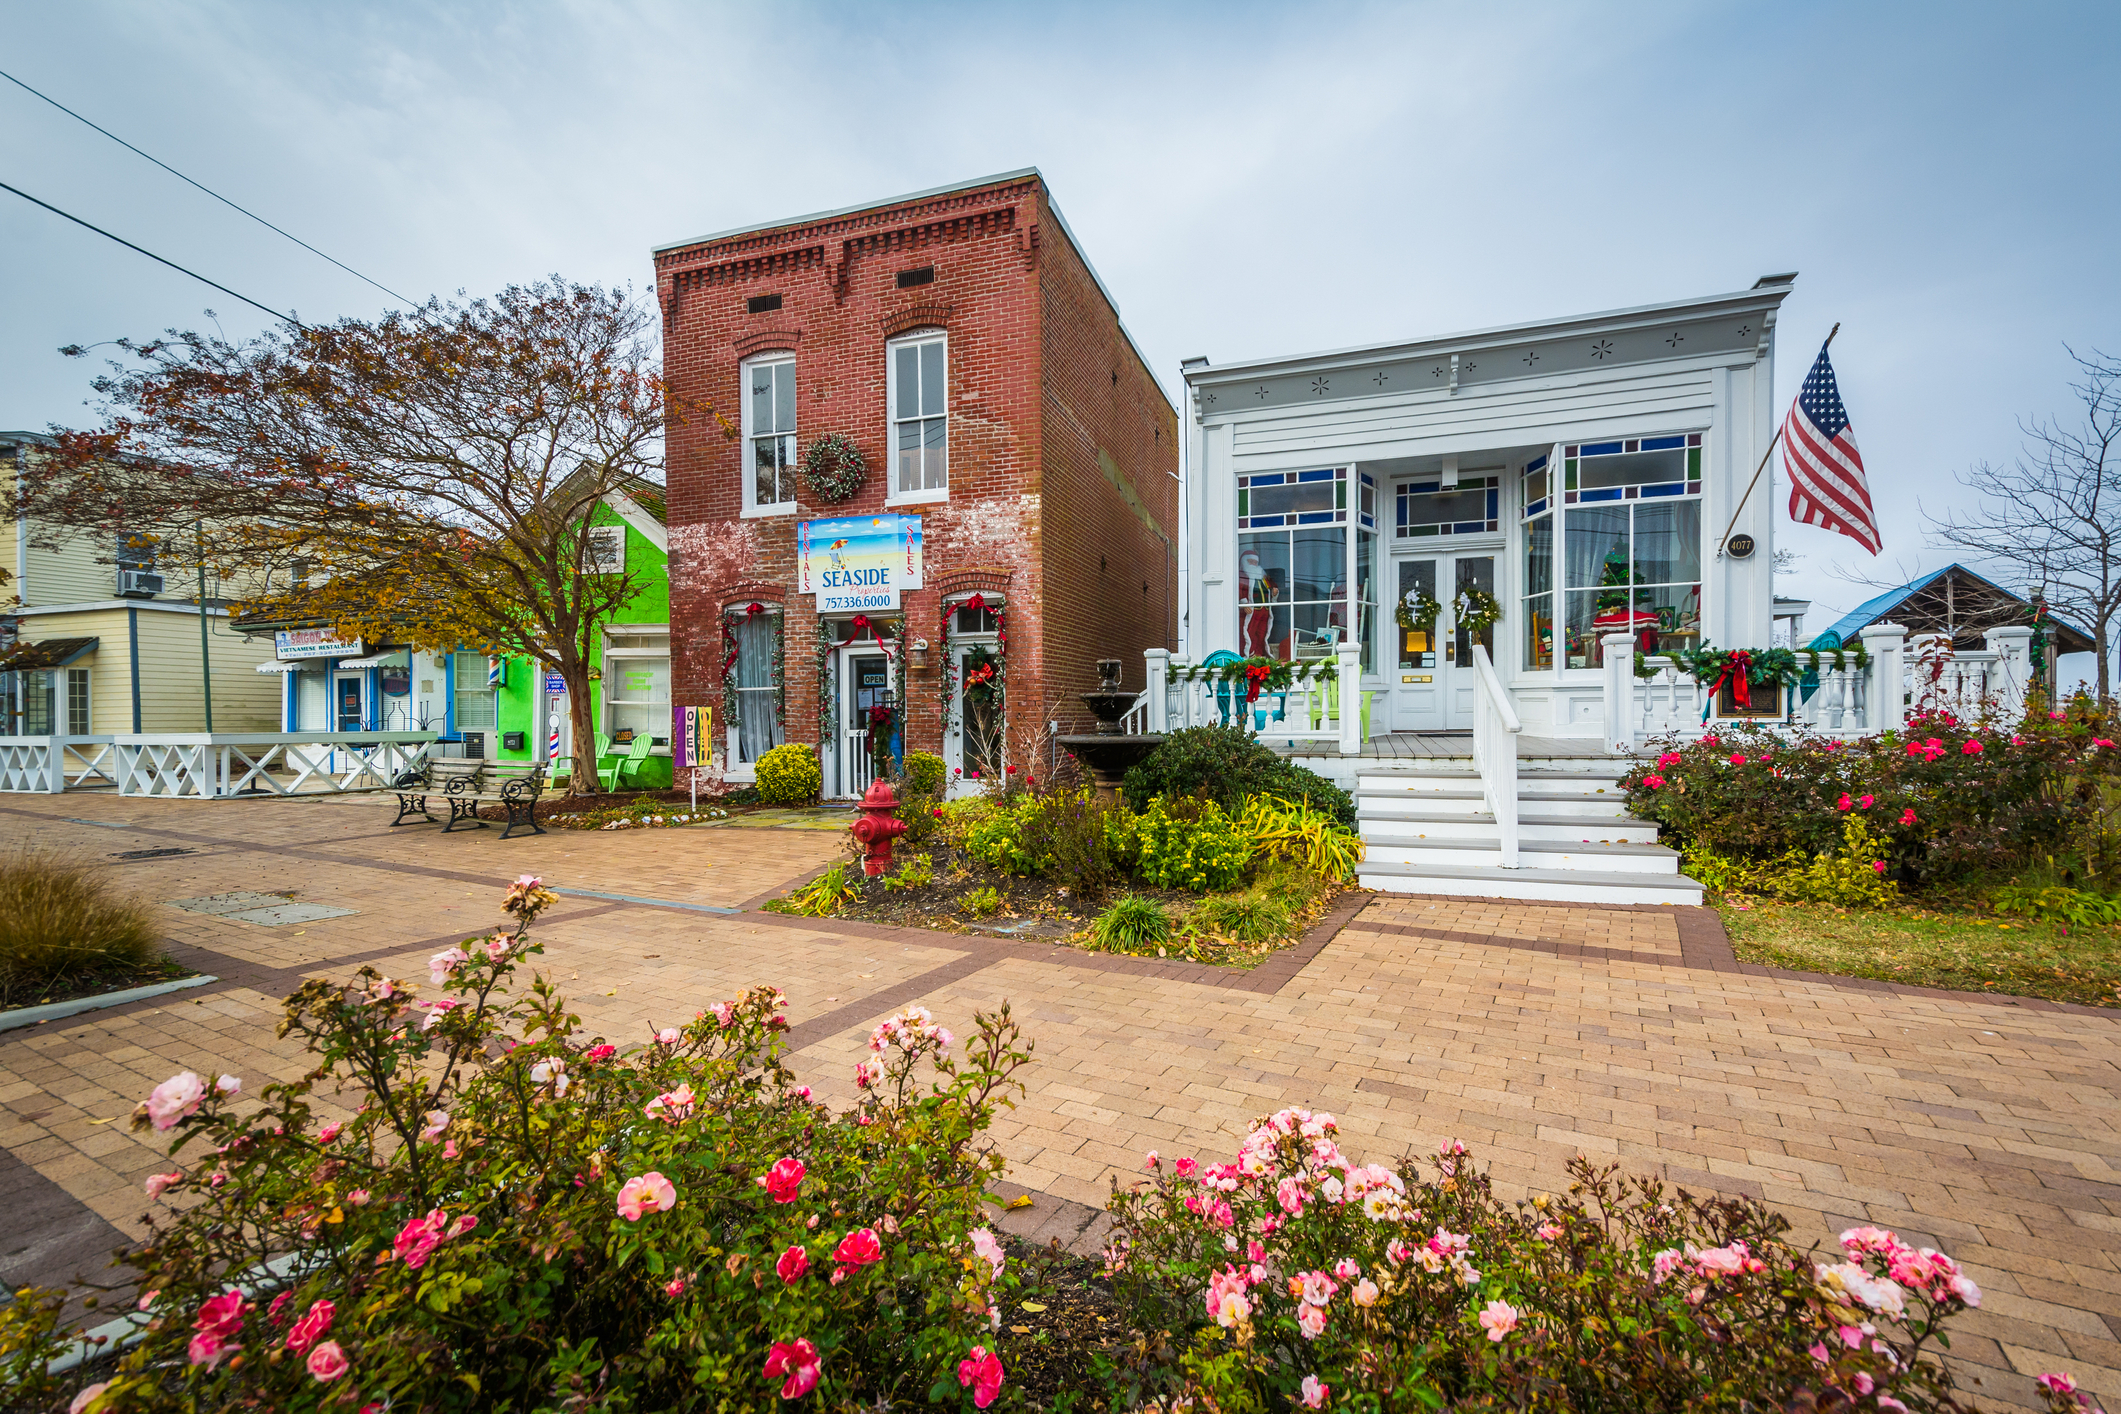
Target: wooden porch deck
(1417,746)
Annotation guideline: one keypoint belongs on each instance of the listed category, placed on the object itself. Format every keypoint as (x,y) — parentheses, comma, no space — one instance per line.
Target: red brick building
(1017,516)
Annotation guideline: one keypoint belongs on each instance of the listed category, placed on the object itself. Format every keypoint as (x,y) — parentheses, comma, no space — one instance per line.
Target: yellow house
(94,641)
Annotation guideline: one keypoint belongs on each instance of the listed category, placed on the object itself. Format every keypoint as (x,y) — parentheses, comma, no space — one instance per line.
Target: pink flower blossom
(2057,1383)
(989,1250)
(798,1361)
(672,1106)
(311,1328)
(982,1374)
(675,1287)
(443,965)
(2098,741)
(1311,1320)
(437,1121)
(1549,1231)
(1653,781)
(1317,1288)
(1151,1161)
(1972,748)
(1737,759)
(1365,1293)
(358,1197)
(327,1363)
(724,1013)
(868,1072)
(1670,758)
(229,1084)
(1186,1168)
(223,1314)
(328,1133)
(859,1248)
(417,1240)
(159,1183)
(668,1036)
(1844,803)
(1347,1269)
(794,1262)
(600,1053)
(205,1349)
(783,1180)
(1879,865)
(1316,1392)
(1907,817)
(649,1193)
(276,1313)
(174,1098)
(86,1399)
(1865,803)
(1498,1319)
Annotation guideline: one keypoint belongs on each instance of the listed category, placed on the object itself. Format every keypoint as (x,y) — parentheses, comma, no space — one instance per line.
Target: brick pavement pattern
(1987,1126)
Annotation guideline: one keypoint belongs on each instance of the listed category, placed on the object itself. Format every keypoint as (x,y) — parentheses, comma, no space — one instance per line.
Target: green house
(630,663)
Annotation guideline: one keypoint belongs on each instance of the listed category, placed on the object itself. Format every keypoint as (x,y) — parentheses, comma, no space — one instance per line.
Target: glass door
(1474,572)
(1418,679)
(346,694)
(865,684)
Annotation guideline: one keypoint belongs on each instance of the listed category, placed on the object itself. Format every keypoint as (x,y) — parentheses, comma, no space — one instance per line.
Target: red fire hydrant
(878,827)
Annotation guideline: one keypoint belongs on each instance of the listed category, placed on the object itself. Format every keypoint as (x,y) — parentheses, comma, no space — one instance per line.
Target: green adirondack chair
(627,771)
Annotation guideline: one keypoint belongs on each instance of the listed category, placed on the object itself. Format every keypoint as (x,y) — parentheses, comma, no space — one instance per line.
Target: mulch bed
(1063,1319)
(69,989)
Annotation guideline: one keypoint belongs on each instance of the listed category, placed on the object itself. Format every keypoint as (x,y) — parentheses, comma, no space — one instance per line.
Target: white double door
(1432,679)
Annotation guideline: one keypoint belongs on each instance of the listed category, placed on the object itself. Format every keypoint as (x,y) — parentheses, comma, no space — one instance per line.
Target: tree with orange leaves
(425,478)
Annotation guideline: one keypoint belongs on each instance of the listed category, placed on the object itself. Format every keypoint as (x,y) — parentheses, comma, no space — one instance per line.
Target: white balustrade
(1495,733)
(203,765)
(1183,694)
(50,764)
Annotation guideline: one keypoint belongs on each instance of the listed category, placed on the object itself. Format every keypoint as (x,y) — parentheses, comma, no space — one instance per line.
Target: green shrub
(916,872)
(789,775)
(983,901)
(1855,876)
(2079,908)
(581,1229)
(1296,1276)
(997,841)
(1131,924)
(1282,829)
(920,795)
(60,924)
(1227,766)
(1066,833)
(1243,918)
(1190,844)
(823,896)
(926,772)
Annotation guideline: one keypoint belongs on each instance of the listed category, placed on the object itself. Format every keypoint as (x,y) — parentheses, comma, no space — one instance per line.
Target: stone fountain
(1108,752)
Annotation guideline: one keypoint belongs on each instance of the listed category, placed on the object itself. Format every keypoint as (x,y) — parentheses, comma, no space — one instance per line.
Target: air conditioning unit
(138,584)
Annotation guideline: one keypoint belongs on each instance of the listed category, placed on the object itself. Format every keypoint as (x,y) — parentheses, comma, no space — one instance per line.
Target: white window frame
(617,648)
(604,550)
(752,506)
(892,495)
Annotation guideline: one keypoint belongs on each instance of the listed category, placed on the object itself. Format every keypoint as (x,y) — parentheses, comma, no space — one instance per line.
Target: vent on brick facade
(907,279)
(762,304)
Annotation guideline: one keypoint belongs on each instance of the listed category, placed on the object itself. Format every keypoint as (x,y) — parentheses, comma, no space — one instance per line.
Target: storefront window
(1632,545)
(38,705)
(637,696)
(1469,508)
(1538,616)
(1292,562)
(475,699)
(757,705)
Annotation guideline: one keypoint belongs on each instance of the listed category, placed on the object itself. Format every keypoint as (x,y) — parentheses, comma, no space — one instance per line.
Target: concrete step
(1453,826)
(1544,885)
(1401,805)
(1647,859)
(1550,782)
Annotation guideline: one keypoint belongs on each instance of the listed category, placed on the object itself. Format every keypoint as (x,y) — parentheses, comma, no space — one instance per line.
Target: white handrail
(1495,731)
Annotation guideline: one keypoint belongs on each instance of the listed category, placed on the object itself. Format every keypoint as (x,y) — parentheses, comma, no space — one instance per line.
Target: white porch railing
(1901,677)
(48,765)
(203,765)
(1495,732)
(1313,708)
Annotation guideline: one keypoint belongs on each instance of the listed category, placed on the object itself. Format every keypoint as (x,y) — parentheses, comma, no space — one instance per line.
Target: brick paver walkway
(1985,1126)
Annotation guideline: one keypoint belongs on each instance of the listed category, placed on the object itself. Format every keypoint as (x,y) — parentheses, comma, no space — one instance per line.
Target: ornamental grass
(62,925)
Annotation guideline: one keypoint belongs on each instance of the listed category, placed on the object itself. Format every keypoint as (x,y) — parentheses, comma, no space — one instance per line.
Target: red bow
(1738,672)
(1256,676)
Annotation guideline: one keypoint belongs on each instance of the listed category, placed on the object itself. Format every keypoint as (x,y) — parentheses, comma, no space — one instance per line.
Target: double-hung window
(756,711)
(769,434)
(477,709)
(920,423)
(637,682)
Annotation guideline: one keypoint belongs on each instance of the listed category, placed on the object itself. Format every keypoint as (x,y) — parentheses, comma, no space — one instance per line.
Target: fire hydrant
(878,827)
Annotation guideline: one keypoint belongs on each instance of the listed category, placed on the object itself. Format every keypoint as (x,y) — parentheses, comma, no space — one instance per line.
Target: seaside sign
(858,564)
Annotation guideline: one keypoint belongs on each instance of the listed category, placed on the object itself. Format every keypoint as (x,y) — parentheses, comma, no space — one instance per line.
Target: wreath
(982,675)
(1475,610)
(833,467)
(1418,610)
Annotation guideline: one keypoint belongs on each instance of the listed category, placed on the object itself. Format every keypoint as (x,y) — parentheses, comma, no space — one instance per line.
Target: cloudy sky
(1249,179)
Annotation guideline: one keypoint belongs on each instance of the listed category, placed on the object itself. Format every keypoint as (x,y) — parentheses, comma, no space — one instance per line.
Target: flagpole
(1763,463)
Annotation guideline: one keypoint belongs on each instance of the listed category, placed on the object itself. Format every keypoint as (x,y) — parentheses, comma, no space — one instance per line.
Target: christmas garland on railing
(1258,674)
(730,619)
(1475,611)
(1784,665)
(1420,614)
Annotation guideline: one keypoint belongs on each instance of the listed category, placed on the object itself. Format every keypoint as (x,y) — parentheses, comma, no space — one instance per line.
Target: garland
(1257,674)
(779,673)
(996,682)
(1475,610)
(1420,614)
(892,634)
(1768,665)
(833,467)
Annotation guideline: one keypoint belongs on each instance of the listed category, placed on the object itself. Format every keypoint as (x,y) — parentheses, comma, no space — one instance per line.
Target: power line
(208,190)
(152,256)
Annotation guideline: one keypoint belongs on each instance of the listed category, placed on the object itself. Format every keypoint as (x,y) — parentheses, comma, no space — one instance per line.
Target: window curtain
(758,721)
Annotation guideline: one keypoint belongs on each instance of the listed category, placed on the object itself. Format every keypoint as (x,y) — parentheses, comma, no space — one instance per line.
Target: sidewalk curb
(32,1015)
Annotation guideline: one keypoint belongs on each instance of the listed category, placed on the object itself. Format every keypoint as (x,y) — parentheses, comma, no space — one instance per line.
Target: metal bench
(466,785)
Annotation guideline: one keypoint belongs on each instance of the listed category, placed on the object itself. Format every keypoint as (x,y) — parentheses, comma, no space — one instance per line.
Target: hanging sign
(554,683)
(292,643)
(691,735)
(858,564)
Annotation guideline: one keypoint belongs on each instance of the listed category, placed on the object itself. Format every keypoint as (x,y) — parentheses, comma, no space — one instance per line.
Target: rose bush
(1944,796)
(1293,1275)
(518,1216)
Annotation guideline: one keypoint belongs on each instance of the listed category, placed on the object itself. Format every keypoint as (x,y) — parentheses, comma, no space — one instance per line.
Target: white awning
(394,658)
(277,666)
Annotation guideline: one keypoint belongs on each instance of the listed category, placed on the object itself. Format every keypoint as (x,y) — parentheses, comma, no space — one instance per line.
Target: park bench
(466,785)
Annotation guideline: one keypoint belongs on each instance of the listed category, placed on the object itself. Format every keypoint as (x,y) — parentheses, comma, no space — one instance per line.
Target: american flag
(1826,471)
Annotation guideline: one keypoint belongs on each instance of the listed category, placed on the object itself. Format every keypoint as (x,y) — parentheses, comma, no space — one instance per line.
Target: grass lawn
(1966,952)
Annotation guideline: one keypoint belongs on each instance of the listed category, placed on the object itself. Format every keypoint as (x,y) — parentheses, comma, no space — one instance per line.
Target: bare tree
(2055,513)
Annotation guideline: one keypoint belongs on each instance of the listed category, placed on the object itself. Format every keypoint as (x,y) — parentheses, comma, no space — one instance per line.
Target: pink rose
(1972,748)
(1907,817)
(443,965)
(798,1361)
(981,1373)
(724,1013)
(1879,865)
(174,1098)
(1653,781)
(859,1248)
(1311,1320)
(311,1328)
(205,1349)
(1548,1232)
(1670,758)
(159,1183)
(417,1240)
(650,1193)
(358,1198)
(783,1180)
(86,1399)
(328,1133)
(222,1315)
(328,1362)
(794,1262)
(1150,1161)
(1865,803)
(437,1121)
(1737,759)
(1844,803)
(600,1053)
(1316,1392)
(675,1287)
(1498,1319)
(668,1036)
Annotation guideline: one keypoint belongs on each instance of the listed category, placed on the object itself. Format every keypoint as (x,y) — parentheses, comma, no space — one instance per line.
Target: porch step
(1556,885)
(1542,782)
(1652,859)
(1421,826)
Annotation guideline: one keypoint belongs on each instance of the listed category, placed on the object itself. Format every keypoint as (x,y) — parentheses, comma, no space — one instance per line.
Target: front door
(1435,680)
(346,693)
(865,684)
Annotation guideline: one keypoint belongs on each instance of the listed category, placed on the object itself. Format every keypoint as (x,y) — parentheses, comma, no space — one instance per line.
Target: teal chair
(1223,690)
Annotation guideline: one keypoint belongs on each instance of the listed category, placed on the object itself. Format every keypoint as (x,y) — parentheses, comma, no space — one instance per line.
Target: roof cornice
(817,218)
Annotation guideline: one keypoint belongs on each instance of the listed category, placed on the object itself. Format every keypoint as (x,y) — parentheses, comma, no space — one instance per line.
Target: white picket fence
(1182,693)
(206,765)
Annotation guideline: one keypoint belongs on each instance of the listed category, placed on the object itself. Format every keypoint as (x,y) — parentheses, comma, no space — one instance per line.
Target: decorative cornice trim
(771,340)
(748,591)
(981,579)
(914,317)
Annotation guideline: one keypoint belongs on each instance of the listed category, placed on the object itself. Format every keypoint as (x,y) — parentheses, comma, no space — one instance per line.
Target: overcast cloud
(1248,179)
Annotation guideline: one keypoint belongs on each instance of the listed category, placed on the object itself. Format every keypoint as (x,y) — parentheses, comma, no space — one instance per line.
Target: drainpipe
(132,637)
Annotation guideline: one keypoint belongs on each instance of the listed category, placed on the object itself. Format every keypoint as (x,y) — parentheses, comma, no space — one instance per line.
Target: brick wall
(1011,294)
